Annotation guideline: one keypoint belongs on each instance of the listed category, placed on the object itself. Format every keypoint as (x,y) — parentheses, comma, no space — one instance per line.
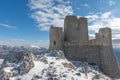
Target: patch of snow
(34,46)
(8,69)
(35,70)
(1,61)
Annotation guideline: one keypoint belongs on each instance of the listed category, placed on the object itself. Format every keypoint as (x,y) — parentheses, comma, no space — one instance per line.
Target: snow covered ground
(50,66)
(1,61)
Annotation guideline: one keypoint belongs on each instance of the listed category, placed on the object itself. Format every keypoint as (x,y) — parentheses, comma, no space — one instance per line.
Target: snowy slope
(1,61)
(48,66)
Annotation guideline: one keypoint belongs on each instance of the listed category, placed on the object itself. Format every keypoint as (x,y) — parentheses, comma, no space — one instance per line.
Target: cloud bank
(111,2)
(22,42)
(49,12)
(107,19)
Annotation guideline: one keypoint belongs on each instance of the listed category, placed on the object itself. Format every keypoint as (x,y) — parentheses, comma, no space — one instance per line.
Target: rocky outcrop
(20,64)
(49,66)
(57,54)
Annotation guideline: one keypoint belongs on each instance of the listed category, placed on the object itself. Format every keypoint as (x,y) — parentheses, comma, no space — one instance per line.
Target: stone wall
(75,30)
(56,38)
(82,22)
(109,64)
(105,37)
(84,53)
(92,42)
(71,28)
(76,45)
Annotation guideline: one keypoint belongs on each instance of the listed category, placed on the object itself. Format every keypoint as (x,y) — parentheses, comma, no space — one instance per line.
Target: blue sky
(25,22)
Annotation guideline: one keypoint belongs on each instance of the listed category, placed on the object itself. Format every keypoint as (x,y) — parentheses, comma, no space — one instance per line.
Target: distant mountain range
(117,52)
(7,50)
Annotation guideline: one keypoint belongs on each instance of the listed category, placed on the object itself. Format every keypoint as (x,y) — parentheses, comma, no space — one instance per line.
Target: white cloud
(49,12)
(85,5)
(97,21)
(91,36)
(7,25)
(111,2)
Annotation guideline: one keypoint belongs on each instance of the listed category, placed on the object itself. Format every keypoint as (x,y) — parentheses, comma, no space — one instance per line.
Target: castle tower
(82,22)
(109,64)
(71,29)
(74,42)
(97,39)
(56,38)
(105,37)
(75,30)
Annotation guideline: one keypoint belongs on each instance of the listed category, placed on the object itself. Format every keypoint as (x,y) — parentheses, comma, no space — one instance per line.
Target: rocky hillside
(48,66)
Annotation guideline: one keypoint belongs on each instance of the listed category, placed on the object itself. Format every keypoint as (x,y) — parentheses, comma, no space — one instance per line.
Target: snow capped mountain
(6,50)
(48,66)
(34,46)
(117,52)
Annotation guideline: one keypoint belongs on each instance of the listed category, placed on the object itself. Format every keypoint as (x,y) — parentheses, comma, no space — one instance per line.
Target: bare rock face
(20,63)
(68,65)
(100,77)
(58,54)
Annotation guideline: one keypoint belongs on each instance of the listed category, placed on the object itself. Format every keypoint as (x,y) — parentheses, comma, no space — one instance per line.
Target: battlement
(75,43)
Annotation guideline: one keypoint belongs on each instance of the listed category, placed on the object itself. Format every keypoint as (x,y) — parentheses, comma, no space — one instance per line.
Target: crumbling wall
(75,30)
(92,42)
(104,36)
(109,64)
(83,28)
(71,31)
(56,38)
(84,53)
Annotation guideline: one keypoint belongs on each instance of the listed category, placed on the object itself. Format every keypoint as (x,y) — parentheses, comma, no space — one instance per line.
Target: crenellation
(75,43)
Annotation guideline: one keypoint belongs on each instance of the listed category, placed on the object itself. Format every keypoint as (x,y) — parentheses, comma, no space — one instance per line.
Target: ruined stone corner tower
(103,37)
(108,60)
(56,38)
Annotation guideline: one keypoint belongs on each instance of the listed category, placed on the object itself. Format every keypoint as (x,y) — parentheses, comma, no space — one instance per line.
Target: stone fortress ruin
(75,43)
